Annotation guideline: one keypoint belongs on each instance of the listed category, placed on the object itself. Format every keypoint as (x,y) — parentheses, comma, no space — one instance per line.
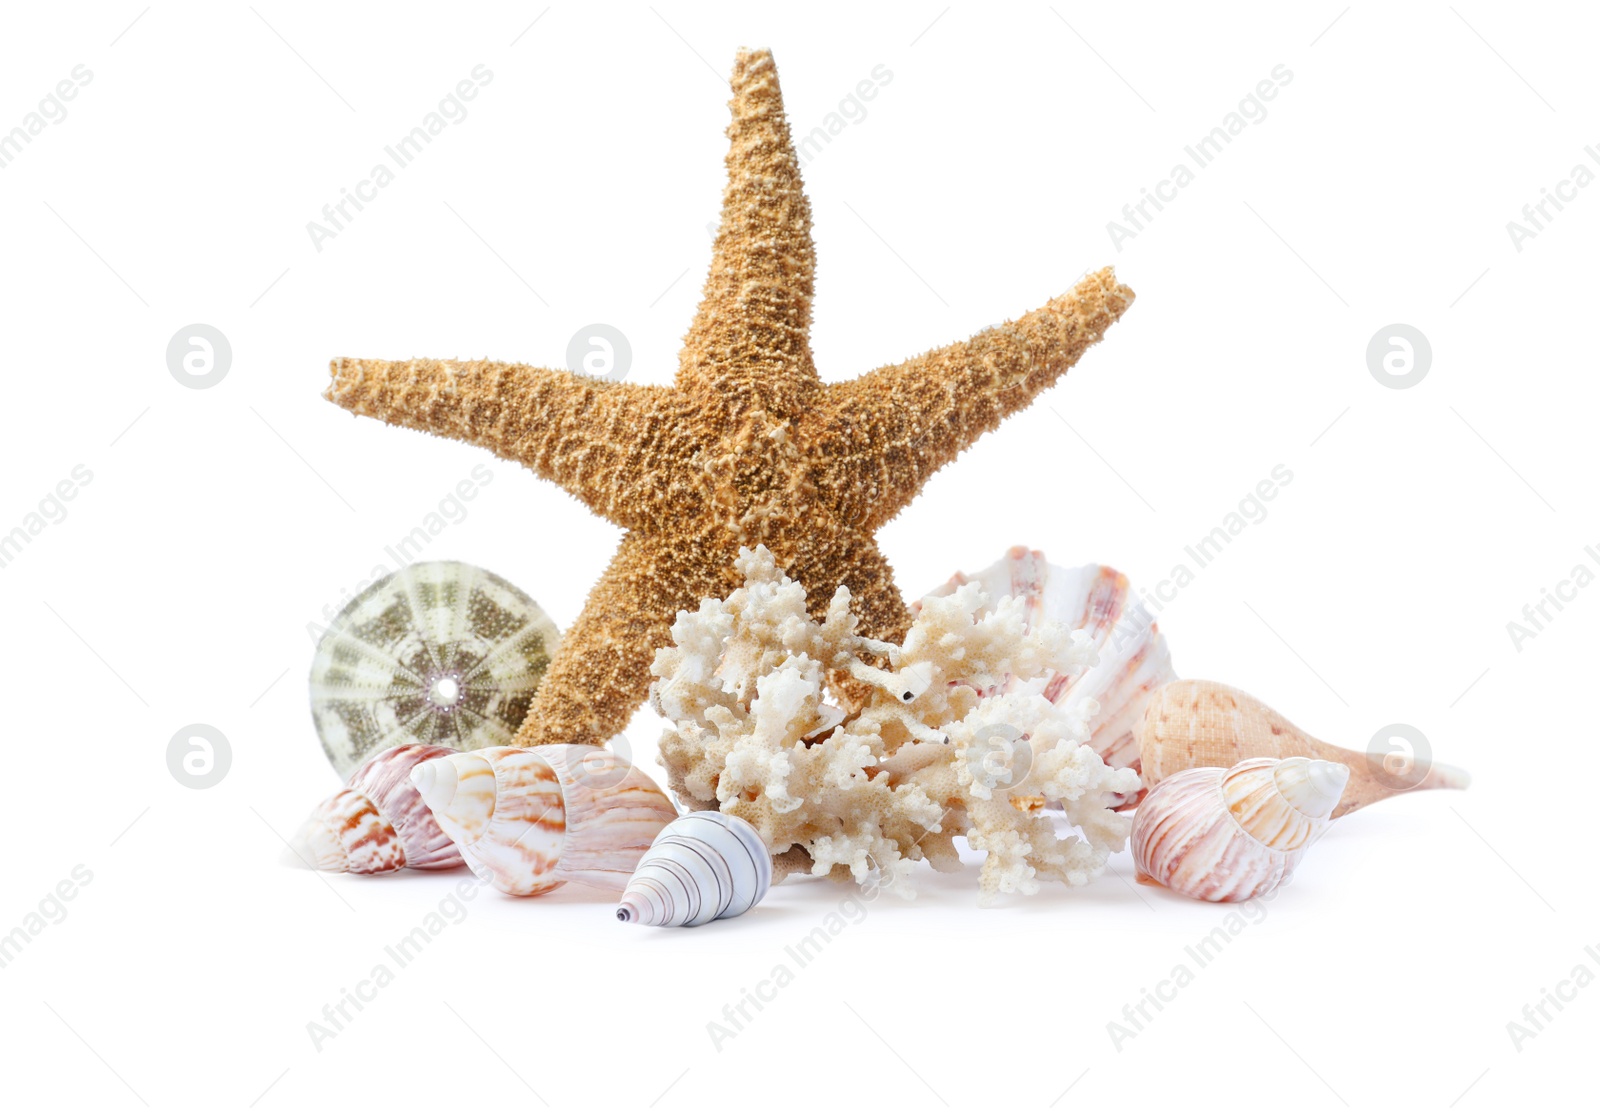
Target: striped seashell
(1133,658)
(531,819)
(378,823)
(440,652)
(702,866)
(1235,834)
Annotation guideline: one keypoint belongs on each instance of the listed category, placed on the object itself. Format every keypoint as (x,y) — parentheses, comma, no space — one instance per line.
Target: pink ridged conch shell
(1232,835)
(529,820)
(378,822)
(1133,657)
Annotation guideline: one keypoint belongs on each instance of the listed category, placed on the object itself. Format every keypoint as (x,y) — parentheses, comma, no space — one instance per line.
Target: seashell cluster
(378,822)
(703,866)
(1130,660)
(441,652)
(1232,835)
(1022,696)
(529,820)
(1206,724)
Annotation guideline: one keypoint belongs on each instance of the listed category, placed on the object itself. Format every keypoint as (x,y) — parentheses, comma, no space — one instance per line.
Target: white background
(219,523)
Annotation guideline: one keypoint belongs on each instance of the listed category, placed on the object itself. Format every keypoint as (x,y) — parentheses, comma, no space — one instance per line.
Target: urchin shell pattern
(440,652)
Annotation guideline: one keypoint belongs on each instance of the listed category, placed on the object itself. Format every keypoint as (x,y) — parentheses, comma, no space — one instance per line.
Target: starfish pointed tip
(750,56)
(1098,301)
(333,378)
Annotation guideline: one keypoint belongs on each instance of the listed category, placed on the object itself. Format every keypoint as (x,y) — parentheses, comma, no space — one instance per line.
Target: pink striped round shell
(1229,835)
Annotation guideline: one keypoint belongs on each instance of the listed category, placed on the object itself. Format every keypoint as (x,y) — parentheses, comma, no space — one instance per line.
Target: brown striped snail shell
(378,822)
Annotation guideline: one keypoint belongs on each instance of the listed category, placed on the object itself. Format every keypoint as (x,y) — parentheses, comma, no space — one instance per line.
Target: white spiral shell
(702,866)
(378,822)
(1235,834)
(528,820)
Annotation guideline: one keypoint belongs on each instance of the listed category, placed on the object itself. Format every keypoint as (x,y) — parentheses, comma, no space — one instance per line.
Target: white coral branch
(937,751)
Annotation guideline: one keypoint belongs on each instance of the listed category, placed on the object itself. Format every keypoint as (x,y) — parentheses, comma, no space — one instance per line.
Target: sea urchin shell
(440,652)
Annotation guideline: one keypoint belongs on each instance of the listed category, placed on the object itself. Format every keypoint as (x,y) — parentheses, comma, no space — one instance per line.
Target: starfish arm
(750,337)
(600,673)
(598,440)
(824,559)
(888,431)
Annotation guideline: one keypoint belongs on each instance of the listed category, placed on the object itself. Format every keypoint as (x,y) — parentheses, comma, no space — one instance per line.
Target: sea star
(748,446)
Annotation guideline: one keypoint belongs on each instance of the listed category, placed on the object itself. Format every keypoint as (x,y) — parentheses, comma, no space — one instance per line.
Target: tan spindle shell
(1191,724)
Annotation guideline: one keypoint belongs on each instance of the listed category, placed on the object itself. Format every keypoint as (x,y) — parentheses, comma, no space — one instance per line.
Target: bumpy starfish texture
(748,446)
